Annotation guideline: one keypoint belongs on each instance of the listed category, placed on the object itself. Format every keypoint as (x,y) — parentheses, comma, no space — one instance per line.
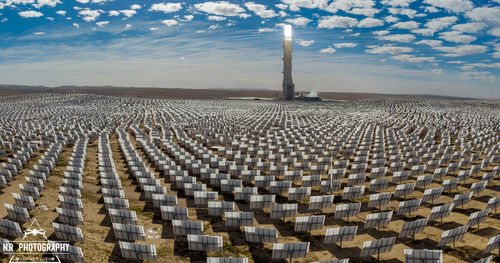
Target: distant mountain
(20,89)
(177,93)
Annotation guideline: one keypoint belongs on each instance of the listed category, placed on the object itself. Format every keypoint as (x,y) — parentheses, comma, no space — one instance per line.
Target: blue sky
(446,47)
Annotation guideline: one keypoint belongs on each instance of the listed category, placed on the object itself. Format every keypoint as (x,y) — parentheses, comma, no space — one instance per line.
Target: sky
(442,47)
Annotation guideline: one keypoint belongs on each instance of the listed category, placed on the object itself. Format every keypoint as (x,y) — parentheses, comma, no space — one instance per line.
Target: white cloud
(485,76)
(486,14)
(435,25)
(170,22)
(244,15)
(397,3)
(135,6)
(128,26)
(266,29)
(220,8)
(413,59)
(304,43)
(381,32)
(16,2)
(431,9)
(113,13)
(430,42)
(216,18)
(39,33)
(410,13)
(391,19)
(102,23)
(406,25)
(457,37)
(462,50)
(61,12)
(76,25)
(404,38)
(364,11)
(484,65)
(496,54)
(472,27)
(298,21)
(495,31)
(89,15)
(437,71)
(466,67)
(346,45)
(166,7)
(281,6)
(213,27)
(294,5)
(350,5)
(370,22)
(51,3)
(128,13)
(30,14)
(328,50)
(93,1)
(337,21)
(260,10)
(388,49)
(423,31)
(282,25)
(153,29)
(456,6)
(188,18)
(441,23)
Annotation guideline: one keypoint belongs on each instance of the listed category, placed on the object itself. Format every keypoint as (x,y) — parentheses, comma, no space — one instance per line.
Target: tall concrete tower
(288,86)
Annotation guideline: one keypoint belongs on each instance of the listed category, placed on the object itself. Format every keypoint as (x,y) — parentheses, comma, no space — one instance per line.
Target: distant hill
(176,93)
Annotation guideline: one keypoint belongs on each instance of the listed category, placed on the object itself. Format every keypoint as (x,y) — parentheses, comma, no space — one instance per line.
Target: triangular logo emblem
(34,234)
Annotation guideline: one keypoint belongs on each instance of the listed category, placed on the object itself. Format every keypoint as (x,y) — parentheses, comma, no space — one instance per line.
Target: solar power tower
(288,86)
